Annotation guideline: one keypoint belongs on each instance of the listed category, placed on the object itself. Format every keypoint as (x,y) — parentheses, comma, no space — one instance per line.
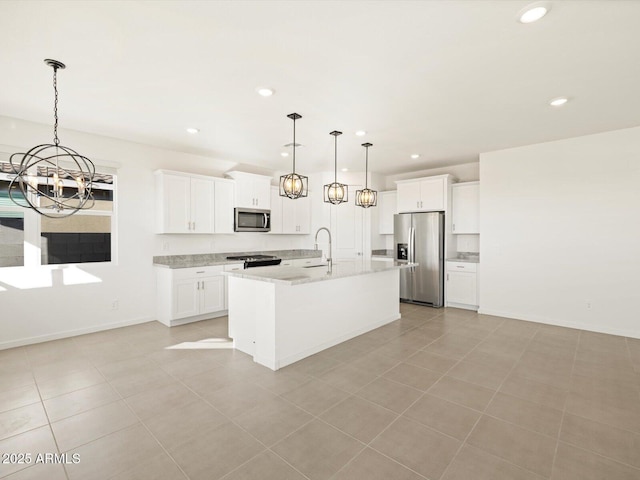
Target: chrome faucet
(329,259)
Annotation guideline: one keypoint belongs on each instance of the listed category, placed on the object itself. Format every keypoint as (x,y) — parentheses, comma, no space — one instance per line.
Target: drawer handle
(459,266)
(200,271)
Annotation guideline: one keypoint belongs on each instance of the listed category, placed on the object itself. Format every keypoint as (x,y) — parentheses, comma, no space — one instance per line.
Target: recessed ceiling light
(284,154)
(415,155)
(556,102)
(345,169)
(533,12)
(192,130)
(361,133)
(265,91)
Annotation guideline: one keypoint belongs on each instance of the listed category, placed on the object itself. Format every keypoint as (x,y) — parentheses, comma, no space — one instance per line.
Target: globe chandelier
(55,181)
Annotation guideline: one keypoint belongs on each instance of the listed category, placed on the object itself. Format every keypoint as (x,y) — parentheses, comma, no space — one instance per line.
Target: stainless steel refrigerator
(419,238)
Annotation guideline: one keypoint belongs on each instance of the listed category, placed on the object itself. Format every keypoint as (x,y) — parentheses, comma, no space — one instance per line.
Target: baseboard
(196,318)
(561,323)
(463,306)
(283,362)
(73,333)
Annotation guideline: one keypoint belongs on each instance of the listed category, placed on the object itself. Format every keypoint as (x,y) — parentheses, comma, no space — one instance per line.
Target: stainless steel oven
(252,220)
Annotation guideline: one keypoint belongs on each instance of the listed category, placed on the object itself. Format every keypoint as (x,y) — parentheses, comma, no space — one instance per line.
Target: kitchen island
(280,315)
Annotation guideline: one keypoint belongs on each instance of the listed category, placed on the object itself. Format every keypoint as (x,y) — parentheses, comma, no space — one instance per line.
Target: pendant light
(366,198)
(336,193)
(293,185)
(69,175)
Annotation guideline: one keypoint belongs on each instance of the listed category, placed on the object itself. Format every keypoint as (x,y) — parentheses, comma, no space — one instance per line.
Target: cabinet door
(303,215)
(409,197)
(276,211)
(176,204)
(386,210)
(432,194)
(202,205)
(461,288)
(262,193)
(244,194)
(223,207)
(466,209)
(186,297)
(212,294)
(289,224)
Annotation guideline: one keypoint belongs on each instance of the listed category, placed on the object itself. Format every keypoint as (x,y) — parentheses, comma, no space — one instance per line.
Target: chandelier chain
(294,145)
(56,140)
(335,159)
(366,169)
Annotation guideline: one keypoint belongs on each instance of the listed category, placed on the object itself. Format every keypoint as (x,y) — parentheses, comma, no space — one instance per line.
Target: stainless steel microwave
(251,220)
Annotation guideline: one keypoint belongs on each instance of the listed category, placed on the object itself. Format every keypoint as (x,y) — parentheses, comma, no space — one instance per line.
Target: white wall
(30,313)
(560,225)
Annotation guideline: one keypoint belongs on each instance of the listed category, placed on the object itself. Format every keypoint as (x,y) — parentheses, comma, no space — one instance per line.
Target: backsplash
(467,243)
(234,242)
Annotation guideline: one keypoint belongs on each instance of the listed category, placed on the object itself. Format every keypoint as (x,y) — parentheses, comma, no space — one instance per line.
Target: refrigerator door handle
(412,247)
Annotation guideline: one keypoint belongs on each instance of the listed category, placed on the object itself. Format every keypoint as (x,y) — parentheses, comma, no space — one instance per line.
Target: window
(27,238)
(11,239)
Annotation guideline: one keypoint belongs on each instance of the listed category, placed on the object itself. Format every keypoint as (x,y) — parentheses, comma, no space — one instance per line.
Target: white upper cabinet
(276,211)
(387,208)
(290,216)
(423,194)
(202,205)
(301,213)
(408,196)
(224,200)
(174,203)
(252,191)
(466,208)
(185,203)
(193,203)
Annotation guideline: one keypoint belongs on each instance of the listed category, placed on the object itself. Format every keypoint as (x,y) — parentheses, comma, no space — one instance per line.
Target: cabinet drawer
(181,273)
(462,267)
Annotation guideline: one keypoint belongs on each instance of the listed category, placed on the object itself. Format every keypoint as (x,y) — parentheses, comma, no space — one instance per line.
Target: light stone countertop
(464,260)
(300,275)
(211,259)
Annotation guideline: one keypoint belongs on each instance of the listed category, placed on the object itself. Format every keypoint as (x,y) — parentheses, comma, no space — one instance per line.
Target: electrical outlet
(165,247)
(115,305)
(588,305)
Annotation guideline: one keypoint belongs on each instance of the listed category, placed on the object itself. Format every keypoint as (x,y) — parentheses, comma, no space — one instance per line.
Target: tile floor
(440,394)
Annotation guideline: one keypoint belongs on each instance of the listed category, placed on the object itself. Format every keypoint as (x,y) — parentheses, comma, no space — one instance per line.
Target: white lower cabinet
(462,285)
(190,294)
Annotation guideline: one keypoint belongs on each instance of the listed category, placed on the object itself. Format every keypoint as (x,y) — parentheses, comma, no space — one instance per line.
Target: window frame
(32,246)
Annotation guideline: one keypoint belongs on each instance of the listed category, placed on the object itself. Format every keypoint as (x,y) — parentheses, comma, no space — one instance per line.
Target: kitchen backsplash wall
(468,243)
(238,242)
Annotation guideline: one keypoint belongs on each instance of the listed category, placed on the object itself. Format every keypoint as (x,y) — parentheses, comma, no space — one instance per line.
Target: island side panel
(311,317)
(252,318)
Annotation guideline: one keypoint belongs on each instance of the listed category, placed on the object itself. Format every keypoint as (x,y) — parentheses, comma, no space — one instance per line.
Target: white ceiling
(446,79)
